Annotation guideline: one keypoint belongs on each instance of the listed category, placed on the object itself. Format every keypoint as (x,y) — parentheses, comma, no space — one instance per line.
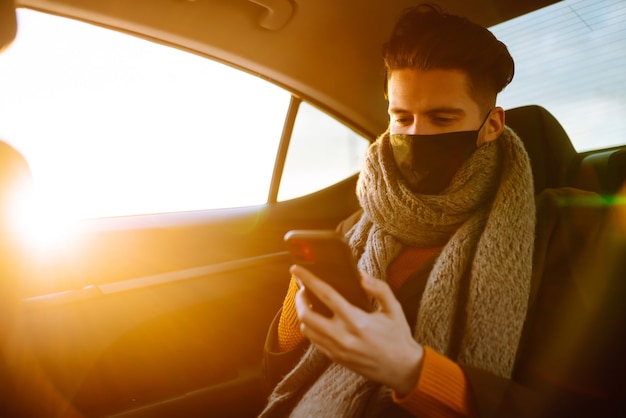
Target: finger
(326,334)
(303,304)
(381,291)
(307,315)
(325,292)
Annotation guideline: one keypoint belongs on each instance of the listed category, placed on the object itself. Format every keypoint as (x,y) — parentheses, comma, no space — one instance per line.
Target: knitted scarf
(485,219)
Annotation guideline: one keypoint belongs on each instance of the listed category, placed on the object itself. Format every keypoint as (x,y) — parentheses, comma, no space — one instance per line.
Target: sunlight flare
(39,223)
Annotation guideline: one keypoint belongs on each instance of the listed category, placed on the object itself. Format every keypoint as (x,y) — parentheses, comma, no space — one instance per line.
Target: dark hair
(426,38)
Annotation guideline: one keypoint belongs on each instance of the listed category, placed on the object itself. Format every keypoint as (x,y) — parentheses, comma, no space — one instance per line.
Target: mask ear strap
(481,127)
(485,120)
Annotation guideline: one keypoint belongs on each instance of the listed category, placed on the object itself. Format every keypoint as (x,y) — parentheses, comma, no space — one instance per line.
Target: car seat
(14,173)
(574,338)
(603,172)
(555,163)
(14,176)
(552,156)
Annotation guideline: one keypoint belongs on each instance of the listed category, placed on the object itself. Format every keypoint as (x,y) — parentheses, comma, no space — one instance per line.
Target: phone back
(327,255)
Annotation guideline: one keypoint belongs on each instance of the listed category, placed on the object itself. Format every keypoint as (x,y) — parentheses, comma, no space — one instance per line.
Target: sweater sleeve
(441,391)
(289,335)
(284,343)
(276,363)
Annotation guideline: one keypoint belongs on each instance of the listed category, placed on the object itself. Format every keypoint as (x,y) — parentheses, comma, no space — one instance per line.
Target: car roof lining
(325,32)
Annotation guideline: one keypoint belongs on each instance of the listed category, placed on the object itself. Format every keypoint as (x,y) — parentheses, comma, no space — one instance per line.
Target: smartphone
(327,254)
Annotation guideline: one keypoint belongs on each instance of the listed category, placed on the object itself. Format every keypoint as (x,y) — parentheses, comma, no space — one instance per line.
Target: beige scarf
(486,219)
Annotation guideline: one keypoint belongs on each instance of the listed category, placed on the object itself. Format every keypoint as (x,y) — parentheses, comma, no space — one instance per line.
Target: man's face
(431,102)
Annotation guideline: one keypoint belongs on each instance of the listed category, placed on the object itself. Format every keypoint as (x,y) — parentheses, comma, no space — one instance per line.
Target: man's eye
(443,121)
(403,121)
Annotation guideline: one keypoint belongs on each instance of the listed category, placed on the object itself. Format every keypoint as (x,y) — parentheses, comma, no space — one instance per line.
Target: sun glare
(39,224)
(114,125)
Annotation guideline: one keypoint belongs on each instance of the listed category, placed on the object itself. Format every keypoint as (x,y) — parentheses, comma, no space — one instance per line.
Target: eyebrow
(437,110)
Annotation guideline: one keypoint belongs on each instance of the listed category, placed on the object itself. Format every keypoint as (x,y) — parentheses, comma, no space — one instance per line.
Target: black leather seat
(555,162)
(603,172)
(553,158)
(574,338)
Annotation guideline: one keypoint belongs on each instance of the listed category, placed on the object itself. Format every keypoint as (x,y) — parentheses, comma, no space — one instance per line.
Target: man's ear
(494,126)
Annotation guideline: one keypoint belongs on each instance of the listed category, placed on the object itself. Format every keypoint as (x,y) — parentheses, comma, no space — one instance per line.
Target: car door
(164,312)
(185,331)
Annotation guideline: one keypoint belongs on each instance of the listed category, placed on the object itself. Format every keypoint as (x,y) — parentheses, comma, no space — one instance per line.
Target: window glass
(115,125)
(570,58)
(322,152)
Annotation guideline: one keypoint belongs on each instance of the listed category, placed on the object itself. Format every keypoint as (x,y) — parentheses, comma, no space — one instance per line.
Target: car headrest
(616,171)
(8,23)
(603,172)
(552,155)
(15,174)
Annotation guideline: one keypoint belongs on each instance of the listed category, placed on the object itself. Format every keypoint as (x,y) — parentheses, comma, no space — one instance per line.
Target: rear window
(570,58)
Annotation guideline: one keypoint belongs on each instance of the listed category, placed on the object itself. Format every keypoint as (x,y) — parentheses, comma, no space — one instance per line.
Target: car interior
(165,314)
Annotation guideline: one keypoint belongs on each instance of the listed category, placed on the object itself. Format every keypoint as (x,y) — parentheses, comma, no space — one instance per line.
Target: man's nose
(416,128)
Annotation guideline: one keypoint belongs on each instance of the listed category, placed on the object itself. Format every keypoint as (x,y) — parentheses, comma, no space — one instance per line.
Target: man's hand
(377,345)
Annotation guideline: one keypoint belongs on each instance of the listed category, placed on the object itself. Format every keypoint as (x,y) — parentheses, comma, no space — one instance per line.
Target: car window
(570,58)
(114,125)
(322,152)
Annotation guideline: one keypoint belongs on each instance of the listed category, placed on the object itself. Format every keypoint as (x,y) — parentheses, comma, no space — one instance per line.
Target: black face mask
(428,162)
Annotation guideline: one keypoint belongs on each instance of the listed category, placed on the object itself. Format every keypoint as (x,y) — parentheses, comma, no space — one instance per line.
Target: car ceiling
(327,51)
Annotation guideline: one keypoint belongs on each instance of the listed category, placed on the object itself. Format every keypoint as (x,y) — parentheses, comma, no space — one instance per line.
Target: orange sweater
(442,388)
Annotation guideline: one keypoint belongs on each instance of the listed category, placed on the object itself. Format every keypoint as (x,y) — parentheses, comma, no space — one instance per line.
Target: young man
(444,242)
